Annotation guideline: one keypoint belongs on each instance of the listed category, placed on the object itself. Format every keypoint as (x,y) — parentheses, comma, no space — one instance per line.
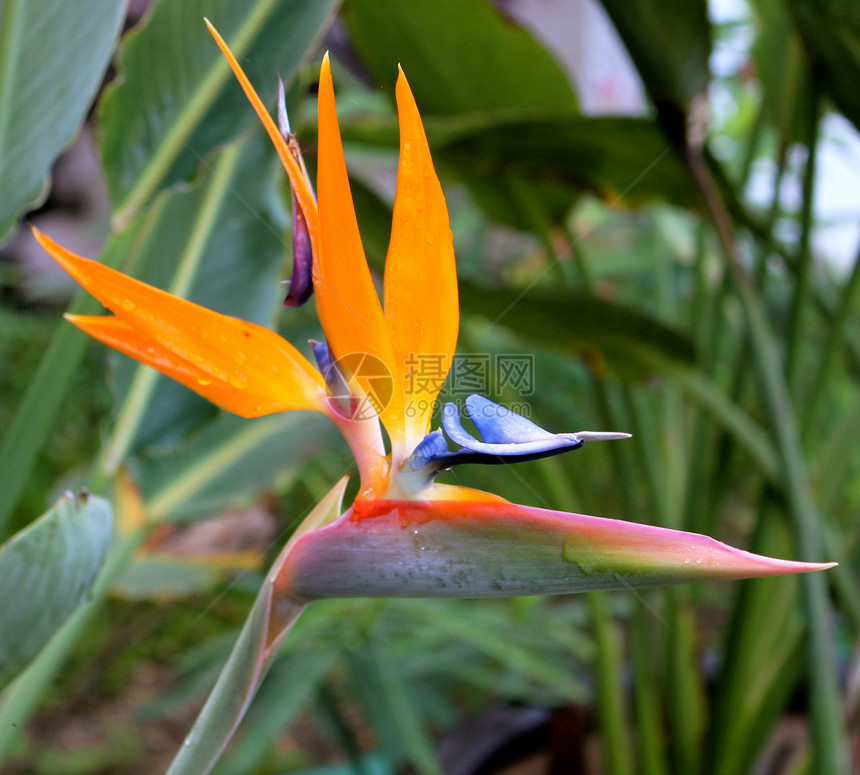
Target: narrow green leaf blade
(831,32)
(46,572)
(53,55)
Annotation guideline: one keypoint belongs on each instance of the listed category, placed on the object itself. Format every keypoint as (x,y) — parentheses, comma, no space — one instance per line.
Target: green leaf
(461,56)
(46,572)
(783,68)
(391,704)
(518,164)
(670,43)
(177,100)
(228,460)
(271,618)
(289,688)
(626,340)
(628,343)
(831,31)
(626,161)
(53,55)
(226,233)
(34,418)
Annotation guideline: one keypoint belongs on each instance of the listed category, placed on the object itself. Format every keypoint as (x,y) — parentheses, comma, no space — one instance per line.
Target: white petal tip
(601,435)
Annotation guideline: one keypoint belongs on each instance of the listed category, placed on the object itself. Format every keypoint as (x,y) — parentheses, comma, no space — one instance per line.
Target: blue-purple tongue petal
(335,381)
(499,425)
(454,428)
(507,437)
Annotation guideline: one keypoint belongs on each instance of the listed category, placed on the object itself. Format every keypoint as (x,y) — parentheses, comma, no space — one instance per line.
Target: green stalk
(836,334)
(617,747)
(828,728)
(651,742)
(803,265)
(761,231)
(687,707)
(646,697)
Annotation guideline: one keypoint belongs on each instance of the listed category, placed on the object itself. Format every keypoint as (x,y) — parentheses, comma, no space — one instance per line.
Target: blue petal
(507,437)
(499,425)
(522,438)
(335,382)
(433,447)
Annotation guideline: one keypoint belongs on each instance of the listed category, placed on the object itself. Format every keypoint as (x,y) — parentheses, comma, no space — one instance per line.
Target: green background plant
(626,252)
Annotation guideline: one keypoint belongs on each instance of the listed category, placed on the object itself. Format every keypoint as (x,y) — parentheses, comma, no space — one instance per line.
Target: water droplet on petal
(204,382)
(241,358)
(238,381)
(128,305)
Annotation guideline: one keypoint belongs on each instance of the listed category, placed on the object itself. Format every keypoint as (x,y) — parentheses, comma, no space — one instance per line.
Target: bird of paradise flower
(405,534)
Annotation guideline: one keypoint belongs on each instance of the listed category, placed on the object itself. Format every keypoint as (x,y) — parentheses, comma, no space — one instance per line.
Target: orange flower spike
(421,300)
(347,302)
(298,178)
(247,368)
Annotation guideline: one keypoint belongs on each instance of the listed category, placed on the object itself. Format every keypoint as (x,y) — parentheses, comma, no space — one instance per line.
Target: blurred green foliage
(658,295)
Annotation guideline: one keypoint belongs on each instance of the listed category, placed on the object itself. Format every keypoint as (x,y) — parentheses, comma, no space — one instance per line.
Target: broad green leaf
(831,31)
(46,572)
(626,340)
(53,55)
(526,168)
(669,42)
(165,579)
(271,618)
(224,235)
(176,98)
(623,341)
(229,461)
(507,164)
(34,418)
(460,56)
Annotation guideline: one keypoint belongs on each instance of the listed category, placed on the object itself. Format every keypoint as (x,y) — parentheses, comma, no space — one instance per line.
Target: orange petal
(421,305)
(348,305)
(298,179)
(263,371)
(121,336)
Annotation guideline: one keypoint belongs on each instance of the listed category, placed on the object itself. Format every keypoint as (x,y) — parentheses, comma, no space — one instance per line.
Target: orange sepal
(347,302)
(298,180)
(421,300)
(263,372)
(121,336)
